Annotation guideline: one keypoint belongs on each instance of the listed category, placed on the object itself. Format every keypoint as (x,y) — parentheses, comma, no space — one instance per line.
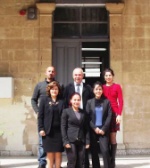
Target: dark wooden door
(66,57)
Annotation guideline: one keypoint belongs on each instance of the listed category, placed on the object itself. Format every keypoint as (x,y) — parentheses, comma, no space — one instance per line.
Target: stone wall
(25,51)
(136,73)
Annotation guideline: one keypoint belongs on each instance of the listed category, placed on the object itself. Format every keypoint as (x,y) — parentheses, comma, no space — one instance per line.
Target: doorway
(80,39)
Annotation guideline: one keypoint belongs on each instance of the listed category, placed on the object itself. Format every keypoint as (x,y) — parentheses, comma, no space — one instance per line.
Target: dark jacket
(106,116)
(86,94)
(45,116)
(39,92)
(73,129)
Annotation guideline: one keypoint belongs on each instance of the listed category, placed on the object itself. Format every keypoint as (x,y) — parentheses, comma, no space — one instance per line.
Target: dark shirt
(39,91)
(56,117)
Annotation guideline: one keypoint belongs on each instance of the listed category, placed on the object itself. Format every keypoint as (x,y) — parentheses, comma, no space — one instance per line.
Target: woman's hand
(118,119)
(67,146)
(101,132)
(97,130)
(42,133)
(87,146)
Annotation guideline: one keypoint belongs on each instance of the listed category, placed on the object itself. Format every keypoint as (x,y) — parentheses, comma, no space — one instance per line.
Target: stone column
(115,22)
(45,35)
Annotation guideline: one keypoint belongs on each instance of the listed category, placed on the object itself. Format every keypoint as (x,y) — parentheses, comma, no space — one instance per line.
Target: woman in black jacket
(49,118)
(99,111)
(74,128)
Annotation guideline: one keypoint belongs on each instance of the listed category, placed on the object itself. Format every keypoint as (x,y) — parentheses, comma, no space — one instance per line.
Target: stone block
(2,9)
(16,44)
(28,66)
(130,43)
(116,55)
(144,43)
(31,23)
(14,21)
(31,44)
(36,33)
(132,66)
(4,44)
(4,67)
(115,21)
(45,43)
(45,21)
(7,3)
(14,67)
(26,55)
(46,54)
(14,33)
(117,32)
(45,32)
(146,65)
(28,33)
(6,55)
(146,79)
(2,33)
(115,43)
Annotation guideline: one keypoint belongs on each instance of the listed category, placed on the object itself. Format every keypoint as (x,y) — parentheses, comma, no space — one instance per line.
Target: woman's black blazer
(45,116)
(73,128)
(106,116)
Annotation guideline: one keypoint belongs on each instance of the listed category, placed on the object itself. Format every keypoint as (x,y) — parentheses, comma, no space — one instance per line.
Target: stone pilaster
(115,22)
(115,17)
(45,35)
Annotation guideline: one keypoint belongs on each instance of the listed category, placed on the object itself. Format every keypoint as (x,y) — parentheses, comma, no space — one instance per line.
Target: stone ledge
(46,8)
(115,8)
(15,153)
(120,152)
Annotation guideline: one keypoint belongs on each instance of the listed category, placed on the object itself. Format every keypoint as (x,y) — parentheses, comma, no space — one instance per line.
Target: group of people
(78,119)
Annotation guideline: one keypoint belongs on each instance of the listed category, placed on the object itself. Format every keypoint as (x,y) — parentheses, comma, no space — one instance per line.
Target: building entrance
(80,39)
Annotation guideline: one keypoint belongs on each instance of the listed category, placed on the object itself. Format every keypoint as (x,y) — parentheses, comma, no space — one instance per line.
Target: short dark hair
(97,83)
(50,86)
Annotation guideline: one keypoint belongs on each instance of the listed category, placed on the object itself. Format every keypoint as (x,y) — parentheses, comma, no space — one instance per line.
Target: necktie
(78,88)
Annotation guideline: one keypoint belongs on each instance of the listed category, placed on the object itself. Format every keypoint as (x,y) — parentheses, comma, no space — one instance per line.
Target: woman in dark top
(49,118)
(99,111)
(75,133)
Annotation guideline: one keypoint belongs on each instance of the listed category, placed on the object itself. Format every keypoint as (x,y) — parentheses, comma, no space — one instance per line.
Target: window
(80,22)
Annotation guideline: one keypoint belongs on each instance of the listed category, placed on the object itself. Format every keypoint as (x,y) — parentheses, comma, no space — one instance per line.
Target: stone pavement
(129,161)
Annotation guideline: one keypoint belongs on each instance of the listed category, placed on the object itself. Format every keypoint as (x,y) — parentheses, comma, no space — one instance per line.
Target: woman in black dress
(49,118)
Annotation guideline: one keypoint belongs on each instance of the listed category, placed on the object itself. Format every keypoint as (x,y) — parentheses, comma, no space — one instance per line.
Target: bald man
(84,89)
(40,91)
(86,93)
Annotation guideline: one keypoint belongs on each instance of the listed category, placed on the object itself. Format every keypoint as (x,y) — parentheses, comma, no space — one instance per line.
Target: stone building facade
(26,50)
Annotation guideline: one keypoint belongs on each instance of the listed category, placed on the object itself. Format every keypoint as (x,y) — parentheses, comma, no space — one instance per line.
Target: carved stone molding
(46,8)
(115,8)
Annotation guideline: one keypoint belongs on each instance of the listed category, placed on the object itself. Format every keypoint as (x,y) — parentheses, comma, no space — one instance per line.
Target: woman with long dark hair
(113,93)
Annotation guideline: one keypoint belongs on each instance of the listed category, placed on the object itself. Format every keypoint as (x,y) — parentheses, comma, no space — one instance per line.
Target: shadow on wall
(30,139)
(3,142)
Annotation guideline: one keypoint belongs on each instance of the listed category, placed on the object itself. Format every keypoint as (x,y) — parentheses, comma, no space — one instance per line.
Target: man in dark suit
(84,90)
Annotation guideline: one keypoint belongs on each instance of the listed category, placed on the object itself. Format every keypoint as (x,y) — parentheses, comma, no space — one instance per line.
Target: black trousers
(76,155)
(103,141)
